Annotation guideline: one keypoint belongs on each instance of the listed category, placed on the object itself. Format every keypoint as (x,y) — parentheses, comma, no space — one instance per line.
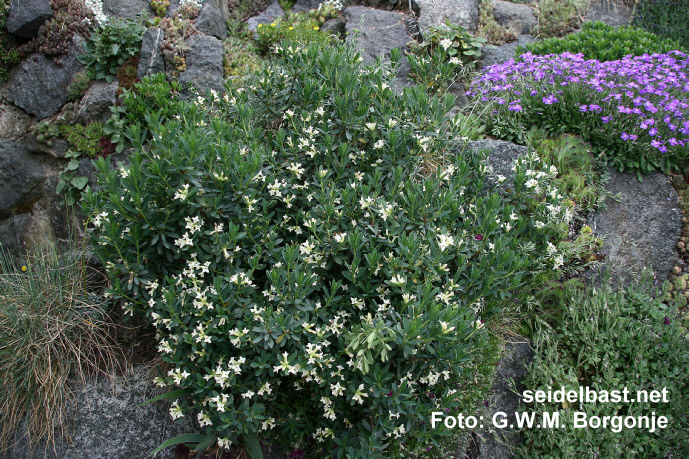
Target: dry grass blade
(52,331)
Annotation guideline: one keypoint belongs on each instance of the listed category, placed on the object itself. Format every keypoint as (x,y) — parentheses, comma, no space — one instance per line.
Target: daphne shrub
(632,110)
(320,265)
(598,40)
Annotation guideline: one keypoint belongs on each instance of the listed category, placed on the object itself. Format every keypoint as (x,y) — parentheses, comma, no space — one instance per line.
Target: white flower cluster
(96,6)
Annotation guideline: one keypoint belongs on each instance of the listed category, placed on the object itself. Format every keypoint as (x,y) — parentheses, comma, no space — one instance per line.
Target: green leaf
(255,450)
(79,182)
(184,438)
(73,165)
(174,393)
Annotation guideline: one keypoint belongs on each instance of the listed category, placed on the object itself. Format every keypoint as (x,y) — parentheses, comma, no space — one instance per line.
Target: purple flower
(486,404)
(652,132)
(583,108)
(550,100)
(515,108)
(625,136)
(667,321)
(606,119)
(501,101)
(595,108)
(390,394)
(479,237)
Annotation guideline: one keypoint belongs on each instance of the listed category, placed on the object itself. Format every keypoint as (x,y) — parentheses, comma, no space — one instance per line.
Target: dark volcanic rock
(127,9)
(642,228)
(212,20)
(517,16)
(27,16)
(434,13)
(503,53)
(39,84)
(204,63)
(610,13)
(21,178)
(96,103)
(271,13)
(336,27)
(151,56)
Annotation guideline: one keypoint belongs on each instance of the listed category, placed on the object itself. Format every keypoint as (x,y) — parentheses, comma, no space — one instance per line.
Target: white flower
(445,241)
(531,183)
(501,178)
(182,193)
(204,419)
(176,411)
(371,126)
(445,43)
(340,237)
(337,389)
(538,224)
(455,61)
(398,280)
(378,145)
(248,394)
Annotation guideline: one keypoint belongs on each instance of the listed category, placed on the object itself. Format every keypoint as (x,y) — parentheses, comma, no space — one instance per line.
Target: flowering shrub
(598,40)
(632,110)
(309,273)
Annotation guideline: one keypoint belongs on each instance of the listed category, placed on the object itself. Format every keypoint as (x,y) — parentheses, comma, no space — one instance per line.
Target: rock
(212,20)
(127,9)
(610,13)
(151,56)
(503,53)
(21,178)
(501,157)
(513,365)
(642,228)
(27,16)
(273,12)
(204,63)
(104,420)
(336,27)
(306,5)
(39,84)
(58,149)
(14,122)
(517,16)
(380,31)
(96,103)
(433,13)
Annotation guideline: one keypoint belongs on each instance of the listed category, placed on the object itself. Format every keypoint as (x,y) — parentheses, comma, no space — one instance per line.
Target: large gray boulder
(96,103)
(104,420)
(380,31)
(503,53)
(434,13)
(39,84)
(212,20)
(27,16)
(501,158)
(14,122)
(151,59)
(127,9)
(640,225)
(21,178)
(204,63)
(512,369)
(516,16)
(273,12)
(611,13)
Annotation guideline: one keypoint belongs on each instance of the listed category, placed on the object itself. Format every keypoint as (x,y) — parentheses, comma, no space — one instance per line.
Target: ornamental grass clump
(632,110)
(310,277)
(54,328)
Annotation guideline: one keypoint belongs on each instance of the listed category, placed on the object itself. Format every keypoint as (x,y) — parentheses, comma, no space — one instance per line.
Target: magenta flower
(479,237)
